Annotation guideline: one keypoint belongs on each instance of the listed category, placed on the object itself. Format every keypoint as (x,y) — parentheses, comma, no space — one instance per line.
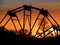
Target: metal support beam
(13,23)
(30,20)
(23,22)
(19,22)
(35,21)
(3,18)
(54,20)
(40,25)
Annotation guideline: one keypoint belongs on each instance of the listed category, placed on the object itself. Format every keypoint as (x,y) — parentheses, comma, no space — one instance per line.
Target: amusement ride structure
(42,16)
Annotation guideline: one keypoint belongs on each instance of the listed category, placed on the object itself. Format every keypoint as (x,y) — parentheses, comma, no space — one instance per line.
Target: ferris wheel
(43,23)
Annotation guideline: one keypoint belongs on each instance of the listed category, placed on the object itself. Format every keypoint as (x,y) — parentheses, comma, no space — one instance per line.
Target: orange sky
(53,8)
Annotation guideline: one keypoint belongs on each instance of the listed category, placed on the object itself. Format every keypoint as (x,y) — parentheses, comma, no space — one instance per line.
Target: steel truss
(43,12)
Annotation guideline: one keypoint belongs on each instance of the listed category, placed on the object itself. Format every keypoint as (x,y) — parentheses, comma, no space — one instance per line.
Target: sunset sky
(53,6)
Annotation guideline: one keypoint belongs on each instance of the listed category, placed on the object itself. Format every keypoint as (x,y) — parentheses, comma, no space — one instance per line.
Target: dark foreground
(10,38)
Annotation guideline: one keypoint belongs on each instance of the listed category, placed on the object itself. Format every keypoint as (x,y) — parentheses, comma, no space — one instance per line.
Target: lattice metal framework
(43,12)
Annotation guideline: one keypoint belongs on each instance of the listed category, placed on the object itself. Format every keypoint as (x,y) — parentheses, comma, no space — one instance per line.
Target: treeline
(10,38)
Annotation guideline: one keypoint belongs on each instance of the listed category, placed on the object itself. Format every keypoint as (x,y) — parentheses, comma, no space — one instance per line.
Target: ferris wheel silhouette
(30,9)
